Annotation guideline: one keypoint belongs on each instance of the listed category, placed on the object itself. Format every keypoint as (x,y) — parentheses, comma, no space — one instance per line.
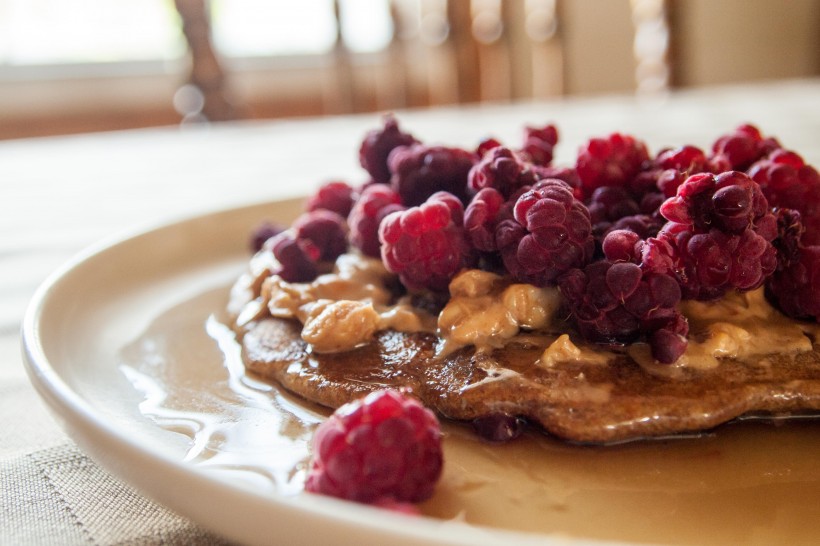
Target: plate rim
(103,441)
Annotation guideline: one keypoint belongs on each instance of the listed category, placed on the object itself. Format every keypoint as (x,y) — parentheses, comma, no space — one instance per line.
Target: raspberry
(795,289)
(262,233)
(326,230)
(567,174)
(708,264)
(486,145)
(382,449)
(731,202)
(503,170)
(788,182)
(481,217)
(377,145)
(539,143)
(611,161)
(334,196)
(419,171)
(499,427)
(375,202)
(426,245)
(738,150)
(687,159)
(550,233)
(297,257)
(618,303)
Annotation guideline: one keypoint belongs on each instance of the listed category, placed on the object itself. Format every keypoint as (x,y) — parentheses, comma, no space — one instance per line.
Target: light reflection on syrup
(235,425)
(750,483)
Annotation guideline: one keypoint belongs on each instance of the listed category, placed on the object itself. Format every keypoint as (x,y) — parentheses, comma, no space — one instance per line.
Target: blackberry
(375,202)
(611,161)
(419,171)
(426,245)
(377,145)
(549,233)
(382,449)
(335,196)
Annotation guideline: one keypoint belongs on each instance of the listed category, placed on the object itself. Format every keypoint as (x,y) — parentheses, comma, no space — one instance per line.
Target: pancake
(586,401)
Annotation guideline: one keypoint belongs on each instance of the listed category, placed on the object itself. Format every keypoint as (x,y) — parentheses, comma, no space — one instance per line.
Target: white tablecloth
(61,194)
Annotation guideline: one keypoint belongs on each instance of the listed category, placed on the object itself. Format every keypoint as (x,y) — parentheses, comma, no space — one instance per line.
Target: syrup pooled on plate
(750,482)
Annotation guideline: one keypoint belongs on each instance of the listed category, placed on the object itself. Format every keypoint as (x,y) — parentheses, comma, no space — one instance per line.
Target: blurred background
(69,66)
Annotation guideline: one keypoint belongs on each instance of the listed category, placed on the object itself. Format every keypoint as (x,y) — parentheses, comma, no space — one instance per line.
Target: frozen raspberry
(499,427)
(297,257)
(738,150)
(426,245)
(376,148)
(334,196)
(788,182)
(611,161)
(607,204)
(730,201)
(567,174)
(789,234)
(539,143)
(382,449)
(262,233)
(795,289)
(618,303)
(503,170)
(419,171)
(549,233)
(326,230)
(486,145)
(622,245)
(375,202)
(481,217)
(708,264)
(687,159)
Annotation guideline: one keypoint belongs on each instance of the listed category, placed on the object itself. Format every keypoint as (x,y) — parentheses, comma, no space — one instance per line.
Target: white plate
(89,347)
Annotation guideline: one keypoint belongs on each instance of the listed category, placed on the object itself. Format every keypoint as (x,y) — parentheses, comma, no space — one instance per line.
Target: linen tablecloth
(61,194)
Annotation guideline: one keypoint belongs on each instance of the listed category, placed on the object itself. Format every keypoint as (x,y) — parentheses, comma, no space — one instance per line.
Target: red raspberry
(567,174)
(788,182)
(502,170)
(731,202)
(795,289)
(262,233)
(618,302)
(297,258)
(325,229)
(426,245)
(377,145)
(375,202)
(611,161)
(334,196)
(382,449)
(549,233)
(708,264)
(481,217)
(738,150)
(539,143)
(419,171)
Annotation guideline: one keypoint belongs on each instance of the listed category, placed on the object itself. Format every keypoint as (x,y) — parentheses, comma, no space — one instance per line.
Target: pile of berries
(624,234)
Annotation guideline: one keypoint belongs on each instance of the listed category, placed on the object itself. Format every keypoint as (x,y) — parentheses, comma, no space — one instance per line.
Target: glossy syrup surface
(750,482)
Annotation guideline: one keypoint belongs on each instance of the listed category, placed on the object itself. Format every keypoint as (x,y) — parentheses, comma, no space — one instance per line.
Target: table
(61,194)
